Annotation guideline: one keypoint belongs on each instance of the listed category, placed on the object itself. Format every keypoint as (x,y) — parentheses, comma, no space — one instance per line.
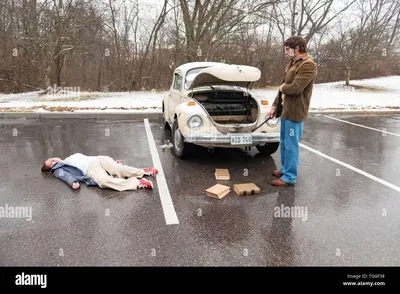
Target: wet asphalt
(351,220)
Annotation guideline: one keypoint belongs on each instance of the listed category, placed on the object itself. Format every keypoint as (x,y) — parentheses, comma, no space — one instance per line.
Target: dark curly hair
(45,168)
(294,41)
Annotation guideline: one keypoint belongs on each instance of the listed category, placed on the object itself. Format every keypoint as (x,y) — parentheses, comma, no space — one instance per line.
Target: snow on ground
(138,101)
(380,93)
(373,94)
(392,83)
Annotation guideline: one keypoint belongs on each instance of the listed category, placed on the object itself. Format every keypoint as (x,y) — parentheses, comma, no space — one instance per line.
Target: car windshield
(190,75)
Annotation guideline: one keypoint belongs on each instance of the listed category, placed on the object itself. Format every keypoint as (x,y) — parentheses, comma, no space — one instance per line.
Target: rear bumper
(222,139)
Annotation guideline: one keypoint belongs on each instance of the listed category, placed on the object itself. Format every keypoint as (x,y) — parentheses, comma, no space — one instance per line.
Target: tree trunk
(99,76)
(84,71)
(348,73)
(293,24)
(119,83)
(18,71)
(47,81)
(58,68)
(102,56)
(57,49)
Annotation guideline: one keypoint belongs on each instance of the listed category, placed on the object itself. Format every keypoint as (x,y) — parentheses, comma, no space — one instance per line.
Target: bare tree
(120,45)
(153,39)
(368,40)
(307,17)
(213,20)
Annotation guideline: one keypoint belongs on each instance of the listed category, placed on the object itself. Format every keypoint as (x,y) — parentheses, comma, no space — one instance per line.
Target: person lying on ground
(102,171)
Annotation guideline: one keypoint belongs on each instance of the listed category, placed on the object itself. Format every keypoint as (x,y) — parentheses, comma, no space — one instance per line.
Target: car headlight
(195,122)
(272,122)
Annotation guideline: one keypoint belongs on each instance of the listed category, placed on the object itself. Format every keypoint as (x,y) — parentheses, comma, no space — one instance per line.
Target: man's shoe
(150,171)
(280,183)
(145,184)
(277,173)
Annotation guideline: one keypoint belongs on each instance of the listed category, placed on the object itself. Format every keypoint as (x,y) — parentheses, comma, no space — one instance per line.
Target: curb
(142,115)
(80,115)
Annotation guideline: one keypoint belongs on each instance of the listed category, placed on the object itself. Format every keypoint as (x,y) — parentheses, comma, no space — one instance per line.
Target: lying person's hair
(45,168)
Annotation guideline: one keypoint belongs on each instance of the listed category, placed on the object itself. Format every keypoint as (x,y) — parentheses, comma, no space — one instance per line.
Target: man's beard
(290,54)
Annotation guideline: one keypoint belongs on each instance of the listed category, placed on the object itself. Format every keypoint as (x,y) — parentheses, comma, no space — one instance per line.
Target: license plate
(241,139)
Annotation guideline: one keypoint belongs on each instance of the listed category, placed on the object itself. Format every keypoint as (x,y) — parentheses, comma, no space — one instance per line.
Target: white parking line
(166,201)
(362,126)
(383,182)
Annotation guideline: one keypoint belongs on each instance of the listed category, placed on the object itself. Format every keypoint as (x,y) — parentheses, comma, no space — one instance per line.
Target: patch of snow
(325,97)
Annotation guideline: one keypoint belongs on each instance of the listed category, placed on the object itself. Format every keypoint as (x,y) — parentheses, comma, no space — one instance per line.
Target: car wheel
(268,148)
(179,146)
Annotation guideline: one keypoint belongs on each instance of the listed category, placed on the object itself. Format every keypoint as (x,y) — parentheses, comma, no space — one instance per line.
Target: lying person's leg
(120,170)
(104,180)
(148,171)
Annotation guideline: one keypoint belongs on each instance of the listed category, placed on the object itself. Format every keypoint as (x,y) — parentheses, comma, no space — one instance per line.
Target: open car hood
(227,74)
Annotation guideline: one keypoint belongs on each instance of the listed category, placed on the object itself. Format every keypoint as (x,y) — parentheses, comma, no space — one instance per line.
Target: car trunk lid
(227,74)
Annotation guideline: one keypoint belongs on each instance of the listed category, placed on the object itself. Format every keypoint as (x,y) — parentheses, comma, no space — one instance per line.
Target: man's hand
(75,185)
(272,112)
(119,161)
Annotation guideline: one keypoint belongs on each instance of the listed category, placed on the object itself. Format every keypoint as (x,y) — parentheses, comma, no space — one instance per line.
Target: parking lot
(348,194)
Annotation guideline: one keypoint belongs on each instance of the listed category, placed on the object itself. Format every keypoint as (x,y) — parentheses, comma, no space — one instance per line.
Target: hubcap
(177,139)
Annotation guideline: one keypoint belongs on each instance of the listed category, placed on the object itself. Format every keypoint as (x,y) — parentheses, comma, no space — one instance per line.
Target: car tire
(180,148)
(165,123)
(268,148)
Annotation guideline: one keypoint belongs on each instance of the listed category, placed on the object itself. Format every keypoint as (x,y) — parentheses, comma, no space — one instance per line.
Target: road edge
(142,115)
(80,115)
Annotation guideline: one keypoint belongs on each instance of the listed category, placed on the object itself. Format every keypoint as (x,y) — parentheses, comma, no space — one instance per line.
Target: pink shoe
(150,171)
(145,184)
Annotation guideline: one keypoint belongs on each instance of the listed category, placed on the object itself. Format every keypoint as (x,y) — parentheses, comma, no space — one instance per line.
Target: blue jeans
(291,133)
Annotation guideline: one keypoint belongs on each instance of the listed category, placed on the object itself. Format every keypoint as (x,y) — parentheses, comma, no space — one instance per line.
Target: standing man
(293,101)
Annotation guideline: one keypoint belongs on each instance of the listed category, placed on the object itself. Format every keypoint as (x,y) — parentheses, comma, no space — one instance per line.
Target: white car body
(220,88)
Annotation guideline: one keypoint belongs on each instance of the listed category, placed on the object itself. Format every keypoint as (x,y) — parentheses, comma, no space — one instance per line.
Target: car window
(177,82)
(190,75)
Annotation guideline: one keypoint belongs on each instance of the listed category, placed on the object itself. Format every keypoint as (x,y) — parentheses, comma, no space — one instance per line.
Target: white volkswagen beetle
(210,104)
